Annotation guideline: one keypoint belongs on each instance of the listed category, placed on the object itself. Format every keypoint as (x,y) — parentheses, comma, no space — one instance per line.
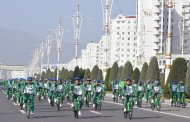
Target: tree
(43,75)
(100,75)
(144,72)
(136,74)
(55,73)
(107,83)
(127,71)
(65,74)
(187,80)
(48,74)
(81,73)
(153,72)
(119,73)
(113,72)
(61,73)
(94,72)
(162,79)
(87,74)
(76,72)
(177,72)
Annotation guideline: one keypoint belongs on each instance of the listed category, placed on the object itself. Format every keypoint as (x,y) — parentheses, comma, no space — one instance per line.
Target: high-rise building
(123,40)
(152,29)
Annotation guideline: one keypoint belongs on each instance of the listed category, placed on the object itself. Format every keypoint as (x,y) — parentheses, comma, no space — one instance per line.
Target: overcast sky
(35,17)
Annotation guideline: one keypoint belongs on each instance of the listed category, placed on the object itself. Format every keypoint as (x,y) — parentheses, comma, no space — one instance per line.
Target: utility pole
(183,31)
(169,39)
(77,23)
(106,10)
(49,44)
(59,35)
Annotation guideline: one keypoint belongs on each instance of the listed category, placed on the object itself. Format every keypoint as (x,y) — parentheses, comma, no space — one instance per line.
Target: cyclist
(115,89)
(77,93)
(148,89)
(60,91)
(181,91)
(98,90)
(140,91)
(88,88)
(51,90)
(40,89)
(29,92)
(173,91)
(128,93)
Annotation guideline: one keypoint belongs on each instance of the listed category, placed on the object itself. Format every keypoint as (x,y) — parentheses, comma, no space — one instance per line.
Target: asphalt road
(111,112)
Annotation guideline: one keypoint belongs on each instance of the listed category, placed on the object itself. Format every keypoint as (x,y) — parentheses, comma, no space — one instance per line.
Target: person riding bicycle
(60,91)
(148,89)
(104,90)
(29,92)
(88,88)
(98,90)
(68,89)
(46,87)
(181,91)
(51,89)
(173,91)
(128,93)
(115,88)
(40,89)
(140,91)
(156,91)
(77,93)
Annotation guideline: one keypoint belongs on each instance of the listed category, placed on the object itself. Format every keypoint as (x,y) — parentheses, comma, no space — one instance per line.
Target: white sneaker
(12,98)
(18,104)
(7,95)
(90,103)
(37,94)
(24,105)
(79,113)
(72,105)
(32,113)
(135,102)
(112,96)
(124,110)
(14,103)
(42,97)
(93,105)
(48,100)
(55,100)
(84,98)
(122,97)
(61,105)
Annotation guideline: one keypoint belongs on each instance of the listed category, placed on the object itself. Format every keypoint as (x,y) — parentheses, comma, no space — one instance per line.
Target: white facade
(18,74)
(123,40)
(152,19)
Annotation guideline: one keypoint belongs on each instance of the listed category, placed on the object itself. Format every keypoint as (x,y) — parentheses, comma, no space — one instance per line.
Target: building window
(128,38)
(117,33)
(118,27)
(123,38)
(118,22)
(129,33)
(128,44)
(123,33)
(129,22)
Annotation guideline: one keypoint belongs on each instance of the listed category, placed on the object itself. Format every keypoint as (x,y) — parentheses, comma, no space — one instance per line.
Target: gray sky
(27,22)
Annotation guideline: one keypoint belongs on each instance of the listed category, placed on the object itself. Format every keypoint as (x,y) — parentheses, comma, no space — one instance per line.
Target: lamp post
(59,35)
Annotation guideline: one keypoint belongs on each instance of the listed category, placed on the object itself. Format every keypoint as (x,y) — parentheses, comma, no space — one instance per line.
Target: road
(111,112)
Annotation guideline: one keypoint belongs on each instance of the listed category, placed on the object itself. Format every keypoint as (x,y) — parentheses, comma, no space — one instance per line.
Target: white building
(152,19)
(90,56)
(123,40)
(18,74)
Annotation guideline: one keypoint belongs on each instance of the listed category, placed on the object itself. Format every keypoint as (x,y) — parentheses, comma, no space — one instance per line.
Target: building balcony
(156,18)
(156,32)
(157,10)
(187,17)
(157,3)
(156,25)
(155,47)
(156,39)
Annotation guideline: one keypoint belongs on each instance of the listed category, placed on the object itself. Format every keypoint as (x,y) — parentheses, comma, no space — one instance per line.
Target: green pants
(51,95)
(61,95)
(79,97)
(31,98)
(97,94)
(127,99)
(19,97)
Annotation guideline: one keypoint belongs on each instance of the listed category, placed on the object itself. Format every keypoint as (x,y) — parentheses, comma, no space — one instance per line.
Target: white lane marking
(69,103)
(3,91)
(22,111)
(152,110)
(95,112)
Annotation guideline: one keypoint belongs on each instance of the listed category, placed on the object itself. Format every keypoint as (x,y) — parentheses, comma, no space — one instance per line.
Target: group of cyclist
(78,92)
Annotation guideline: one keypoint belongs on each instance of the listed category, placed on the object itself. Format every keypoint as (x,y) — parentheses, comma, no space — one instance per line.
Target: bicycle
(181,100)
(139,100)
(28,108)
(52,98)
(116,94)
(128,107)
(155,102)
(88,98)
(174,100)
(9,93)
(98,102)
(58,102)
(76,107)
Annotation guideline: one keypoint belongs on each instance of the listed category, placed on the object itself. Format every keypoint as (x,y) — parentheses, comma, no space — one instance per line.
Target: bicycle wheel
(125,115)
(152,106)
(130,115)
(99,107)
